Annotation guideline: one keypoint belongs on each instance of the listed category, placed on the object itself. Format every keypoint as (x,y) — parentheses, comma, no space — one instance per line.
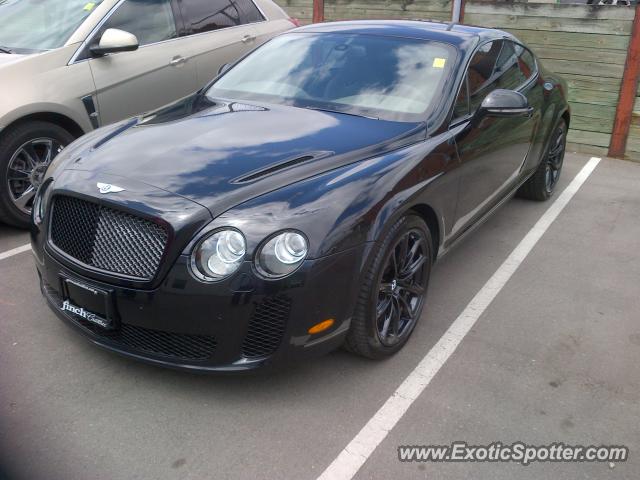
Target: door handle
(177,61)
(248,38)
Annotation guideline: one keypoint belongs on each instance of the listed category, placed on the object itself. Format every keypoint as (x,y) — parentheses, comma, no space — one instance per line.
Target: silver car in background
(70,66)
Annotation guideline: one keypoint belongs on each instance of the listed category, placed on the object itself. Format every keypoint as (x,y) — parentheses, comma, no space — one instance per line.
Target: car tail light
(295,21)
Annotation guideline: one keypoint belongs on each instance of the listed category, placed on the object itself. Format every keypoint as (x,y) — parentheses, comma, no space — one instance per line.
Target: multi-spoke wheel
(394,290)
(555,158)
(401,290)
(25,153)
(543,182)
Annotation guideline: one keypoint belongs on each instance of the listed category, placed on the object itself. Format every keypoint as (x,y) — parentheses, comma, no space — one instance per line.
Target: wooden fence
(586,44)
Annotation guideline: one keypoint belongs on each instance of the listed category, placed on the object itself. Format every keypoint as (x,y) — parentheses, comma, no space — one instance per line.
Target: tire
(367,334)
(541,185)
(21,148)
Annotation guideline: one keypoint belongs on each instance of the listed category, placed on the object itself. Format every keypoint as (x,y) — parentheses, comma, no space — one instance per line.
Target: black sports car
(298,202)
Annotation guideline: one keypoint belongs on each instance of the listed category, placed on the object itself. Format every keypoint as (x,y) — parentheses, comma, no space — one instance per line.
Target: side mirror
(224,68)
(114,41)
(505,103)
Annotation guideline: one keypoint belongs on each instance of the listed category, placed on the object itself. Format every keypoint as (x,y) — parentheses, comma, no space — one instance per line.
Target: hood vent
(278,167)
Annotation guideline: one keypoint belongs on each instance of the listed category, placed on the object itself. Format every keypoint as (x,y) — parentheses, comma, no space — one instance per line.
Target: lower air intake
(266,327)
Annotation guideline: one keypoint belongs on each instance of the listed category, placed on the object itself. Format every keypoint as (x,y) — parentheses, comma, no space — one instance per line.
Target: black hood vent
(278,167)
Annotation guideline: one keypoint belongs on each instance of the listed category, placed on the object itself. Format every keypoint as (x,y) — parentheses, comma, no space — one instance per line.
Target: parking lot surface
(552,359)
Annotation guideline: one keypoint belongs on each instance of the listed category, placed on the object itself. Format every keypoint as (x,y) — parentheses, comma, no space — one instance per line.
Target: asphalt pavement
(554,358)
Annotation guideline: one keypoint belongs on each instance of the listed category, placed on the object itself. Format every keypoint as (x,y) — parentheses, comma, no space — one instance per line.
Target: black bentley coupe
(297,202)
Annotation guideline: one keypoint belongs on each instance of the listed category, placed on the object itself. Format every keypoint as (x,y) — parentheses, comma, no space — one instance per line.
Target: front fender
(353,205)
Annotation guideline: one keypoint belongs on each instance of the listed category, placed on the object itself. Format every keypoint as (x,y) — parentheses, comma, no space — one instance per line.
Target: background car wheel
(543,183)
(394,290)
(22,149)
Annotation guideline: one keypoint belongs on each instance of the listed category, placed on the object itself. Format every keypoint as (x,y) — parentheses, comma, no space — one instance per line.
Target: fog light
(322,326)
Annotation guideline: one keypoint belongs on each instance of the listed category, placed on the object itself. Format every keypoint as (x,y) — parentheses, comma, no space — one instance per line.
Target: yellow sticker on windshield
(439,62)
(89,6)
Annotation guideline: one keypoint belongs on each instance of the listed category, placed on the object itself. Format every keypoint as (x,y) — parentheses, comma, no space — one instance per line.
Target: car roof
(459,35)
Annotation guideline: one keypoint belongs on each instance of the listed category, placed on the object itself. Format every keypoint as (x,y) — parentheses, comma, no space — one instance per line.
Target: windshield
(35,25)
(383,77)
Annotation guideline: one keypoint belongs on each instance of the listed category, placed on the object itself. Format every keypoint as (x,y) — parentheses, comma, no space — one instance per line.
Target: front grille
(266,327)
(106,238)
(144,340)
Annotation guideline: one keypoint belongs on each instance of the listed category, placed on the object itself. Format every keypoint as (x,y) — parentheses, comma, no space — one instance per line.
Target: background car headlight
(282,254)
(218,255)
(38,207)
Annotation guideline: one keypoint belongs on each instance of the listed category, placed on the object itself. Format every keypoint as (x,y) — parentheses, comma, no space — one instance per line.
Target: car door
(533,89)
(218,32)
(157,73)
(492,150)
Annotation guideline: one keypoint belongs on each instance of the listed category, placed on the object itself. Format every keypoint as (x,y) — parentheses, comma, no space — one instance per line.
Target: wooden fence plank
(589,149)
(605,27)
(577,68)
(592,83)
(593,97)
(555,38)
(586,12)
(343,14)
(588,124)
(589,138)
(599,112)
(581,54)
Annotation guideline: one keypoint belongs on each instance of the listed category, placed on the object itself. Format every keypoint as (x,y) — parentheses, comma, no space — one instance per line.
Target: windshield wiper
(5,50)
(340,111)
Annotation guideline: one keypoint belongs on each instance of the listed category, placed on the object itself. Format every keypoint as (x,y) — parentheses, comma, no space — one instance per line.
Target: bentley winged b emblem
(108,188)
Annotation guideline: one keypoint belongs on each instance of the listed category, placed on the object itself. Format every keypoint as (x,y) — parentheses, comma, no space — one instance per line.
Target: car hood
(9,58)
(222,153)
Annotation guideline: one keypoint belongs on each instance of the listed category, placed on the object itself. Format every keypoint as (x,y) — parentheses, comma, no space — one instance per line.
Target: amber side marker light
(322,326)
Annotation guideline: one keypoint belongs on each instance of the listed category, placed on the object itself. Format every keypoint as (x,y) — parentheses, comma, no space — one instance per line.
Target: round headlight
(282,254)
(218,255)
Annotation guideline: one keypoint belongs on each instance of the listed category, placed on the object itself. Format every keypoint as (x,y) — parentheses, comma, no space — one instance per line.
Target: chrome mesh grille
(106,238)
(266,327)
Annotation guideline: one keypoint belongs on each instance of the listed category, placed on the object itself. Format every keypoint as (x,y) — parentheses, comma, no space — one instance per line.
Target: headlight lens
(282,254)
(218,255)
(38,203)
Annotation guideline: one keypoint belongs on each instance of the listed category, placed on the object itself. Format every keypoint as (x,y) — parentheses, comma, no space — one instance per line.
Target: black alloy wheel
(555,158)
(393,291)
(541,185)
(401,288)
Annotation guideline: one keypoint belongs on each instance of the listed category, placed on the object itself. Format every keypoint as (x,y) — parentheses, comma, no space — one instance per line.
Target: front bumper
(239,324)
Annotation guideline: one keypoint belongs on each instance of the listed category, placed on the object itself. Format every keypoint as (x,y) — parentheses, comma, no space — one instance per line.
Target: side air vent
(266,327)
(277,167)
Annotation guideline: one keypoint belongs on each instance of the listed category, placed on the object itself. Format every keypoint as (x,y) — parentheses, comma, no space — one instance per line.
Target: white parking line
(349,461)
(15,251)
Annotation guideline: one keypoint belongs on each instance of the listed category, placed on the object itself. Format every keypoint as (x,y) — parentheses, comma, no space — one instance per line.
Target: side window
(482,74)
(249,13)
(151,21)
(526,61)
(461,107)
(207,15)
(511,77)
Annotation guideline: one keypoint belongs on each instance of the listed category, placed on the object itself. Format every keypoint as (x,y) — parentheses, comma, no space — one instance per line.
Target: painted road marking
(15,251)
(354,455)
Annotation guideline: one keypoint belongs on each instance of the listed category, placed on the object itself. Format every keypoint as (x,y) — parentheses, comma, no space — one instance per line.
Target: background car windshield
(34,25)
(384,77)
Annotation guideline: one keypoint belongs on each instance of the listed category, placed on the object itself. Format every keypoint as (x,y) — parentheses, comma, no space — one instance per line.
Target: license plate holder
(88,302)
